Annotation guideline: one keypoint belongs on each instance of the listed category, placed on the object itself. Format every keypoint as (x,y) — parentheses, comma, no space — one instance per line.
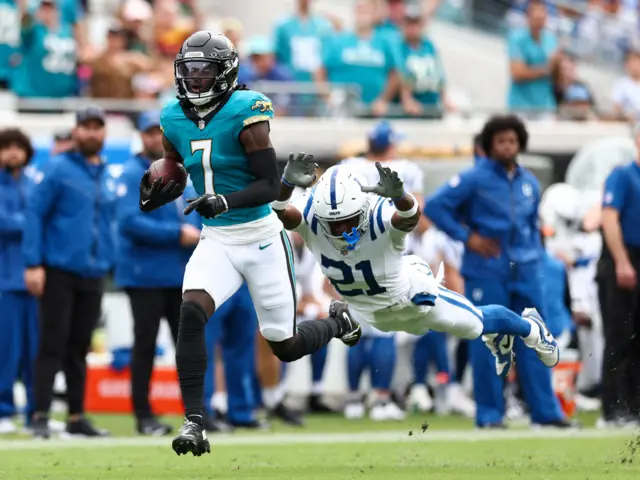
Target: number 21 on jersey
(348,278)
(204,146)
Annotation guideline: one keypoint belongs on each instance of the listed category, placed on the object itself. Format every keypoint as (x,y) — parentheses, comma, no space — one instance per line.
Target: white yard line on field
(319,438)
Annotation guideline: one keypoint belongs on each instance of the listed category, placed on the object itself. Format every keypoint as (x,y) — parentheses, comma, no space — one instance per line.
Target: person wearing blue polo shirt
(365,59)
(618,270)
(68,249)
(533,53)
(152,252)
(493,209)
(299,39)
(19,318)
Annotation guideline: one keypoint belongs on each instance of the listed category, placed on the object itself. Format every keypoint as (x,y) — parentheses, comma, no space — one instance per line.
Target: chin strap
(351,238)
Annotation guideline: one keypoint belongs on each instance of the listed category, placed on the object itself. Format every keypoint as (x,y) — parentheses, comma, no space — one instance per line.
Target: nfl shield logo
(201,124)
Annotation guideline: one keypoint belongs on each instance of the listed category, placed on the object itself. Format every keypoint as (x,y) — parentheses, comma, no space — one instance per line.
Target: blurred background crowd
(435,69)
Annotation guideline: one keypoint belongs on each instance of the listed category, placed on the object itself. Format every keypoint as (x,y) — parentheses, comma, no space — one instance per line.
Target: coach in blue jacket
(152,252)
(493,209)
(18,309)
(68,249)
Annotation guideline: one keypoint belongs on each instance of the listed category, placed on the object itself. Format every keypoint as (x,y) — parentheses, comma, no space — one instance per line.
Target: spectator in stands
(573,97)
(533,53)
(232,29)
(154,290)
(502,261)
(261,65)
(49,54)
(135,16)
(618,269)
(114,69)
(423,88)
(19,319)
(365,59)
(68,249)
(299,39)
(9,40)
(626,91)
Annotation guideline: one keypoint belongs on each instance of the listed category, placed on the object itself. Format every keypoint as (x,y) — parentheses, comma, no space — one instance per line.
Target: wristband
(291,185)
(280,204)
(411,212)
(226,204)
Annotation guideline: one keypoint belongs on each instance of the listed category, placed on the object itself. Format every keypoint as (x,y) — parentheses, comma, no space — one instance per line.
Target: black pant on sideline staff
(621,322)
(69,313)
(149,306)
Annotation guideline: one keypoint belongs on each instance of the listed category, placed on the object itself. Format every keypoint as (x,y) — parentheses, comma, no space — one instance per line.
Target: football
(168,170)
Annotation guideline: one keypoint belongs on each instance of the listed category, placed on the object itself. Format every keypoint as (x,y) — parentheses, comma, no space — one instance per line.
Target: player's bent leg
(269,272)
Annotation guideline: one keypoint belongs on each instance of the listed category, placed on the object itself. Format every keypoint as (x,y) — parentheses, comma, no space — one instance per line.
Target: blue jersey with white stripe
(369,277)
(211,149)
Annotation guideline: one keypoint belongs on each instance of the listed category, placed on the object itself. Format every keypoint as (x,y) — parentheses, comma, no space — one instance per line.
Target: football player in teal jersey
(219,131)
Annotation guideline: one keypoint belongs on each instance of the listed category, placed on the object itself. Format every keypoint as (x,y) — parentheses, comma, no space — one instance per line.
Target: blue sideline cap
(383,136)
(149,120)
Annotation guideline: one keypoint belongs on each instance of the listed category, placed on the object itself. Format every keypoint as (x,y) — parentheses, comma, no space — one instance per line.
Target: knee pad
(274,334)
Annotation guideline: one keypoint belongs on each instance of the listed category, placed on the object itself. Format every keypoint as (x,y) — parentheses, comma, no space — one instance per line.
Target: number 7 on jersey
(204,146)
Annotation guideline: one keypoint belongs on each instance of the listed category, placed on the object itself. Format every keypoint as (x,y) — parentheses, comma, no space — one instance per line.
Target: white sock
(219,402)
(316,388)
(272,396)
(533,338)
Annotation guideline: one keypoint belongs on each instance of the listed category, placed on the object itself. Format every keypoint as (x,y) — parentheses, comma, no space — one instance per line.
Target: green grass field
(331,448)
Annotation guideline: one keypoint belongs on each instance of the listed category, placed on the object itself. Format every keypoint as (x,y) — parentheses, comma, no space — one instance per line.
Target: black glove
(207,205)
(154,196)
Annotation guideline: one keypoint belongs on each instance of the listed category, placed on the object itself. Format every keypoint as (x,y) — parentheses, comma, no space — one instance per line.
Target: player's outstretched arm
(299,172)
(407,212)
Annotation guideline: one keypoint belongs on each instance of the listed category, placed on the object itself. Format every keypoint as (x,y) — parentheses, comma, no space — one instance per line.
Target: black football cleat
(350,330)
(287,415)
(82,427)
(191,437)
(40,428)
(317,405)
(153,427)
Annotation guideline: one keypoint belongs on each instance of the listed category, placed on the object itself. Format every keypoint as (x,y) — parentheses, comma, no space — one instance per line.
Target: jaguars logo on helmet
(206,68)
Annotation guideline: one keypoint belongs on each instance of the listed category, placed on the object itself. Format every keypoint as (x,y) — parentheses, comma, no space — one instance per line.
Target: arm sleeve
(41,199)
(443,206)
(139,226)
(614,190)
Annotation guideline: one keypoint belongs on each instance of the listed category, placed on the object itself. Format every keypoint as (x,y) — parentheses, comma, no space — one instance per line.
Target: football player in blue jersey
(219,131)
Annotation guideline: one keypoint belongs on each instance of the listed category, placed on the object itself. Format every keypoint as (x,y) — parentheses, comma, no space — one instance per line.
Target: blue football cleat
(547,348)
(501,346)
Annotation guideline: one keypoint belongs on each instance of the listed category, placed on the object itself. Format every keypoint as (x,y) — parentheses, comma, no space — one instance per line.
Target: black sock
(311,337)
(191,358)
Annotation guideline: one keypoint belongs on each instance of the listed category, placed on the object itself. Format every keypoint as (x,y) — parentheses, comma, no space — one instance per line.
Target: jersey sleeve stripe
(371,223)
(256,119)
(332,189)
(307,207)
(379,207)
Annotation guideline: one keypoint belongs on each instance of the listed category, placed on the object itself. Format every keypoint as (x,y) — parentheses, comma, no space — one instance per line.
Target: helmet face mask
(342,209)
(205,68)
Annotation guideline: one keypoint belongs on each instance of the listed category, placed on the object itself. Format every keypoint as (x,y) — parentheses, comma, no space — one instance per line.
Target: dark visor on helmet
(198,76)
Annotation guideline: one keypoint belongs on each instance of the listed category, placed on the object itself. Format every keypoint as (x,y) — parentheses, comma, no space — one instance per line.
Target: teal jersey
(365,62)
(531,94)
(423,71)
(71,11)
(48,67)
(9,36)
(298,44)
(212,152)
